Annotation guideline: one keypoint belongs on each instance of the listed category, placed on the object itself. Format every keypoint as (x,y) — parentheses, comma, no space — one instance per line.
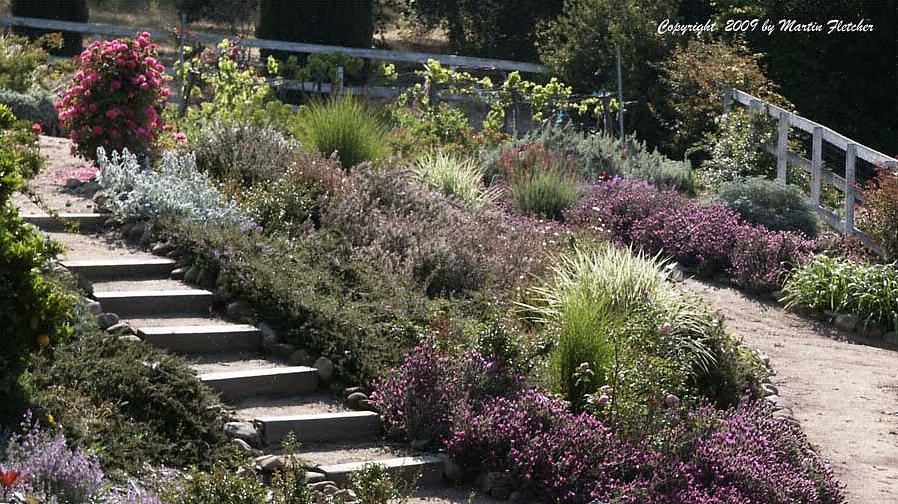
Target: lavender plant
(47,470)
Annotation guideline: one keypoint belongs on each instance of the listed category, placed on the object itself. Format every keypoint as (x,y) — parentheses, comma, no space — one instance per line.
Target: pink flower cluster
(116,97)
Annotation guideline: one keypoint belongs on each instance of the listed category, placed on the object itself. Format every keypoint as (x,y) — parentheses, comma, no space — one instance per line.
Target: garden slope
(844,394)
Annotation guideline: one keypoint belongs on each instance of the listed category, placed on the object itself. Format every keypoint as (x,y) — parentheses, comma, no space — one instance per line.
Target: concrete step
(203,338)
(318,427)
(86,222)
(147,303)
(120,269)
(423,470)
(234,385)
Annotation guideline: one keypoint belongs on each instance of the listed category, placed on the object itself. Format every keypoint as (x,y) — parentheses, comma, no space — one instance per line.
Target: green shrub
(24,63)
(285,205)
(243,154)
(61,10)
(342,126)
(579,45)
(133,404)
(453,176)
(732,151)
(36,304)
(374,485)
(314,292)
(776,206)
(547,194)
(600,155)
(34,107)
(223,484)
(845,286)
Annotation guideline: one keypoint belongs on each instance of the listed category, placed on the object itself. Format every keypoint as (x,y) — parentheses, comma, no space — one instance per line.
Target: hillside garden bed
(512,303)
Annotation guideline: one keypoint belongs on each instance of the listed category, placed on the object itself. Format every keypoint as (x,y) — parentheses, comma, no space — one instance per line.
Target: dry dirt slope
(843,391)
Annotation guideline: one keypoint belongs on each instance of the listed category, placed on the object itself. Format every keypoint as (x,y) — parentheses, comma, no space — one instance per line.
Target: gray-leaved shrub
(177,189)
(243,154)
(775,206)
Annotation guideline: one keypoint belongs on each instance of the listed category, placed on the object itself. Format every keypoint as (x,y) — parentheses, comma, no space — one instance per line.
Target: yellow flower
(51,420)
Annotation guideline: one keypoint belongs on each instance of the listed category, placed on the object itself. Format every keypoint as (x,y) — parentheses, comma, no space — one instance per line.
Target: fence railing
(450,60)
(819,174)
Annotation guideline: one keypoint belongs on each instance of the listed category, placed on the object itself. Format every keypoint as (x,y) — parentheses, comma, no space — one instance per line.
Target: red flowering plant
(879,215)
(116,97)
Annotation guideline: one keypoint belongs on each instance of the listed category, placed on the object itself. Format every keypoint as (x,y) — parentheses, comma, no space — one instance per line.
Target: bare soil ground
(843,389)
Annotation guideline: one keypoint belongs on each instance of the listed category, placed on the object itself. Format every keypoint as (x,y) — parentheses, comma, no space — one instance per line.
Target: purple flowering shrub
(421,398)
(746,454)
(743,454)
(708,237)
(48,470)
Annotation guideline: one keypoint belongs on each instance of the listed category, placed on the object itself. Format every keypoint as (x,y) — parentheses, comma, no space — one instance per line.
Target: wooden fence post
(339,80)
(782,146)
(727,100)
(754,108)
(850,162)
(817,166)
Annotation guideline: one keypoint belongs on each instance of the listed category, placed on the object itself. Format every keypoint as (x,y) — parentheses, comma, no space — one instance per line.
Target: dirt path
(843,390)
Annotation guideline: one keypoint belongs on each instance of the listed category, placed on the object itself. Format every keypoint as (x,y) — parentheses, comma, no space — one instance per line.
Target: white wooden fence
(449,60)
(814,166)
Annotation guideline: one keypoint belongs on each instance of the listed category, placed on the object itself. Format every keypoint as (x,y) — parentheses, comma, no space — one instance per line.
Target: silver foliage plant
(176,189)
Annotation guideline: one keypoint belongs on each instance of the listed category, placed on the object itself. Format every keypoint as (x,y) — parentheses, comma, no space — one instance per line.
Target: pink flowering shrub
(708,237)
(740,455)
(116,97)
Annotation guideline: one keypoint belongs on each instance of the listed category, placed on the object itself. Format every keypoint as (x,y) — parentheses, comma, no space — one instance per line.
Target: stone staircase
(270,398)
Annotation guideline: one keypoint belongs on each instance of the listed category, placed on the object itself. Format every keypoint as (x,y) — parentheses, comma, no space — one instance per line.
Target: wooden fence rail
(450,60)
(814,166)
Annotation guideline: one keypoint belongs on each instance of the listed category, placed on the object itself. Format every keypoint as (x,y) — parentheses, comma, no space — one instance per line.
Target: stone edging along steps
(137,297)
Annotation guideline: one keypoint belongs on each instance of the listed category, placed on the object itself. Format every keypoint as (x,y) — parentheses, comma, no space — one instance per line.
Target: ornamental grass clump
(842,285)
(116,97)
(590,304)
(454,176)
(343,127)
(542,182)
(546,194)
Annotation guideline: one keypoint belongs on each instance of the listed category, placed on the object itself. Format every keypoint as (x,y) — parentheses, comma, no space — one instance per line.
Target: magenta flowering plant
(709,238)
(698,455)
(116,97)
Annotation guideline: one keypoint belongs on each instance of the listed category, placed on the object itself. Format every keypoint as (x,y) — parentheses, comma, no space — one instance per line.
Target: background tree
(845,80)
(579,47)
(487,28)
(61,10)
(347,23)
